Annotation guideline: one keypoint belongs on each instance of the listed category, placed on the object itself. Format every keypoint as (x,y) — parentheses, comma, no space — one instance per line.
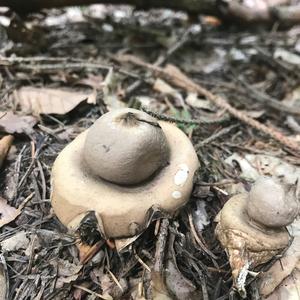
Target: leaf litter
(178,259)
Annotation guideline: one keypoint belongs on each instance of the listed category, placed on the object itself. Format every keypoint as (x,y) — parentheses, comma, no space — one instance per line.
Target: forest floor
(62,69)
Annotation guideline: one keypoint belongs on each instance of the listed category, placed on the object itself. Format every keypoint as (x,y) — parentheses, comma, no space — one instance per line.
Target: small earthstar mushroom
(126,163)
(251,227)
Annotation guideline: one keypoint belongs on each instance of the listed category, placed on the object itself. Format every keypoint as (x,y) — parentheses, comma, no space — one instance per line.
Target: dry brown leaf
(16,242)
(7,212)
(66,271)
(5,144)
(254,165)
(113,289)
(12,123)
(281,269)
(46,101)
(180,286)
(282,274)
(289,289)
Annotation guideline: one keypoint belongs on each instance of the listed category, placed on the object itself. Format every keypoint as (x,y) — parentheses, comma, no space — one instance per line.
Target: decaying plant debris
(233,91)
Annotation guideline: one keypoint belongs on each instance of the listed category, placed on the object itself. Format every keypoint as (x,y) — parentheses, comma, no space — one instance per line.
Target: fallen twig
(269,101)
(176,77)
(215,136)
(199,239)
(184,121)
(162,59)
(92,293)
(41,63)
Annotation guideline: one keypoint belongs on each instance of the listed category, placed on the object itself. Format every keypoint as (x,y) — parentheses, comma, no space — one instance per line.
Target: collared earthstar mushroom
(251,227)
(124,164)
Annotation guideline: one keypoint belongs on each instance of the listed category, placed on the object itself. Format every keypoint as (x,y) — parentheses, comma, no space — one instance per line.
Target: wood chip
(5,144)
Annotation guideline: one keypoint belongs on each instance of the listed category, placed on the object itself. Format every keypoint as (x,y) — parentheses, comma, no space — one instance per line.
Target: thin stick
(4,114)
(115,280)
(161,59)
(142,263)
(268,100)
(215,136)
(91,292)
(198,239)
(184,121)
(176,77)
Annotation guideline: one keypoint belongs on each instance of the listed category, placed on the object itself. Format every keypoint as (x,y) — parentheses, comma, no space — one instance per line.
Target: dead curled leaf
(12,123)
(7,212)
(281,270)
(15,242)
(66,271)
(180,286)
(37,101)
(283,278)
(288,289)
(5,144)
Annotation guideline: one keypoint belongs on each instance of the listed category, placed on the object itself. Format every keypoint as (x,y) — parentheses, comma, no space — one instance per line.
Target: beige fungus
(126,163)
(271,204)
(125,148)
(251,227)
